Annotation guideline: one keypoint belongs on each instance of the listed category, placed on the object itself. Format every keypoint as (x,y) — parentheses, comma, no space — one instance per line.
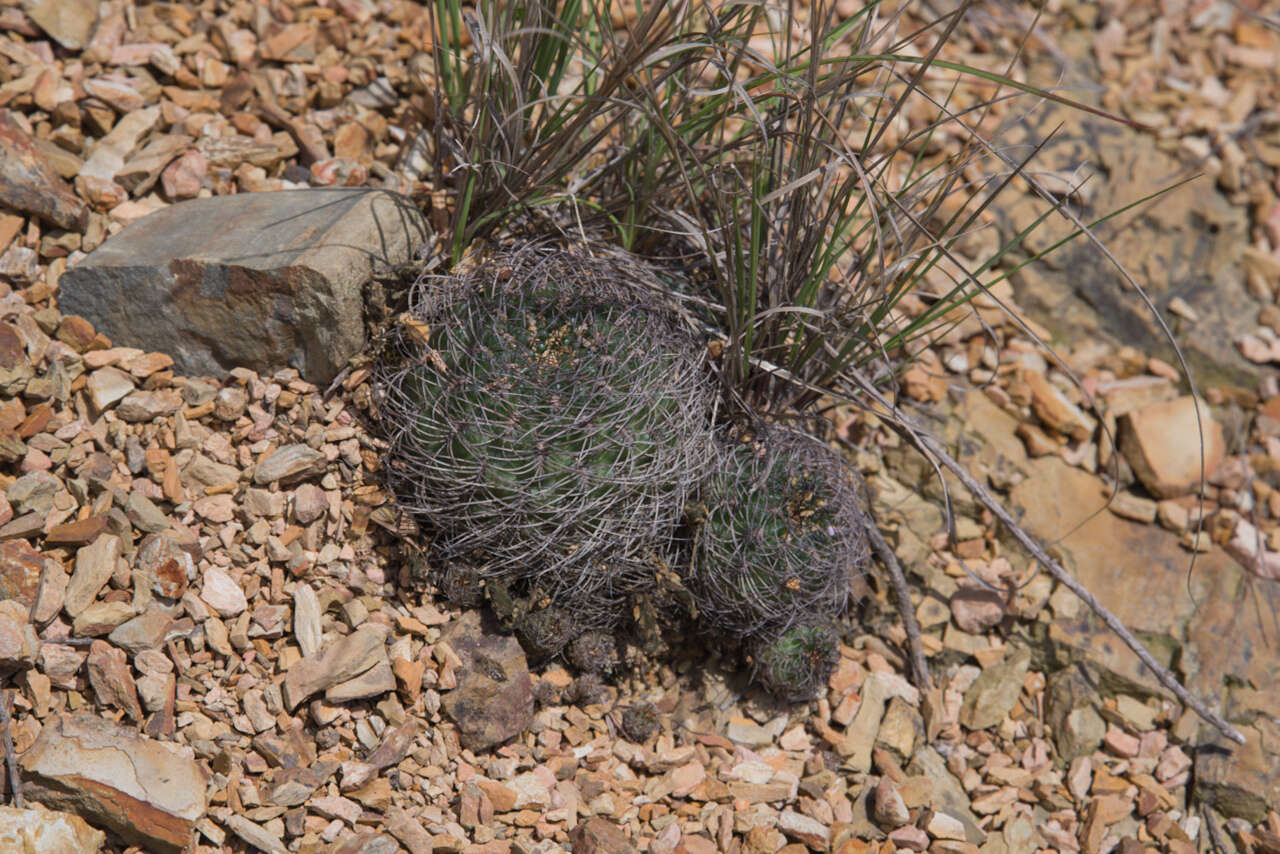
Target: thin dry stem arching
(1059,206)
(932,448)
(857,390)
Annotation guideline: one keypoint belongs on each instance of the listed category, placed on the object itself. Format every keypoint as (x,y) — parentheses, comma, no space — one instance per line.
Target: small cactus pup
(640,722)
(547,417)
(781,537)
(593,652)
(544,633)
(795,663)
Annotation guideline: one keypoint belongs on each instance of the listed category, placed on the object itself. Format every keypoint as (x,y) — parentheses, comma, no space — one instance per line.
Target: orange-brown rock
(148,792)
(1163,445)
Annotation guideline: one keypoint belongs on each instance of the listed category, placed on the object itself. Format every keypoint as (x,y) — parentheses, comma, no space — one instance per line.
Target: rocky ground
(210,637)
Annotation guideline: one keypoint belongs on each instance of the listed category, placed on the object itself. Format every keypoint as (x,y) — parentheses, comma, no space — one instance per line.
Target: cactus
(794,664)
(545,693)
(781,538)
(544,633)
(550,422)
(588,689)
(548,418)
(639,722)
(593,652)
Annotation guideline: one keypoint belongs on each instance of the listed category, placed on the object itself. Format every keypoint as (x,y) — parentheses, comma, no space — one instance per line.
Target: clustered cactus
(772,561)
(552,421)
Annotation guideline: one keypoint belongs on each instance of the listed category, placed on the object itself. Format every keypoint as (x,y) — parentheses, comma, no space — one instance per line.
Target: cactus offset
(544,633)
(782,537)
(794,664)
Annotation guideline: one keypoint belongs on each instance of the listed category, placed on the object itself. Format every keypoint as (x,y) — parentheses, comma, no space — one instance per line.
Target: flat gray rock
(949,795)
(257,280)
(993,694)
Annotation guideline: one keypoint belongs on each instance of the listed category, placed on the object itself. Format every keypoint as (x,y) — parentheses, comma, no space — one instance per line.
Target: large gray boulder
(258,280)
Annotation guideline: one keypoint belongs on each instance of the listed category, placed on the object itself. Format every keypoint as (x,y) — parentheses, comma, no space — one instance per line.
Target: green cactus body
(794,664)
(554,426)
(550,423)
(781,538)
(505,426)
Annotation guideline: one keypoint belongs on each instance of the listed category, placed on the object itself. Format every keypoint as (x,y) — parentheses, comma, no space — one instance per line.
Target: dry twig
(919,665)
(1062,576)
(862,390)
(938,455)
(1215,833)
(10,760)
(932,447)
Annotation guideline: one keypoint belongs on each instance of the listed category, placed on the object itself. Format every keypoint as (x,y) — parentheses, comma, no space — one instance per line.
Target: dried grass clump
(547,418)
(783,536)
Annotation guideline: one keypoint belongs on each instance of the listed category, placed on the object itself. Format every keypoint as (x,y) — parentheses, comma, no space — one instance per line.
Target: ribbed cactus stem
(795,663)
(547,419)
(782,535)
